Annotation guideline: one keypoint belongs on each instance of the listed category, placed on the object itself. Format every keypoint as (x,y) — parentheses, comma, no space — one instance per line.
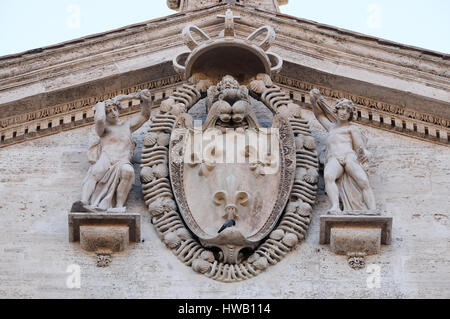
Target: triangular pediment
(395,87)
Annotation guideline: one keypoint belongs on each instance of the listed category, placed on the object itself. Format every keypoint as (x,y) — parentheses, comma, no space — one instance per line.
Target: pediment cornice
(408,87)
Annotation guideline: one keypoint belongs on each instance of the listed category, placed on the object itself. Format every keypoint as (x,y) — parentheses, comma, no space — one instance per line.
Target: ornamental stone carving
(238,196)
(111,175)
(345,173)
(100,220)
(353,226)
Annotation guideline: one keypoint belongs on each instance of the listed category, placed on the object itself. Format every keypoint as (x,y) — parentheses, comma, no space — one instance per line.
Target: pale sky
(30,24)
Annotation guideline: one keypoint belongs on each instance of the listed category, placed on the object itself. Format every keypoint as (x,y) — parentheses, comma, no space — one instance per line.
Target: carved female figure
(346,153)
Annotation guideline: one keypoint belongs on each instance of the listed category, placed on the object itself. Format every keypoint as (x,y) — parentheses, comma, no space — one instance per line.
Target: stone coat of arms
(228,195)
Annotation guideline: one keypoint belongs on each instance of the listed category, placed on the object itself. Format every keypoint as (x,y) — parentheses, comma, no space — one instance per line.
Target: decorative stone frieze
(78,113)
(402,62)
(397,119)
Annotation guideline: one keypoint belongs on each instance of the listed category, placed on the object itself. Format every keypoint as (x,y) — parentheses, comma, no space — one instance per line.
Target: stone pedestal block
(113,238)
(131,220)
(348,239)
(355,236)
(104,233)
(327,222)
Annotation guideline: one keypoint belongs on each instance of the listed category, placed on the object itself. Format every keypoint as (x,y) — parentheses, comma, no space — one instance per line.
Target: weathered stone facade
(40,178)
(400,99)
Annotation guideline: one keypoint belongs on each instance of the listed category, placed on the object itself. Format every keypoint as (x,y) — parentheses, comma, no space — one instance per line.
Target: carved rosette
(164,181)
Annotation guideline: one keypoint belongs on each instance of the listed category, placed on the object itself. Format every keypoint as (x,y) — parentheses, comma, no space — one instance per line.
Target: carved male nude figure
(345,153)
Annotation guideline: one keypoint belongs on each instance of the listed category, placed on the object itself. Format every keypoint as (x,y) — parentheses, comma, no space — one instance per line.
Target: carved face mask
(228,83)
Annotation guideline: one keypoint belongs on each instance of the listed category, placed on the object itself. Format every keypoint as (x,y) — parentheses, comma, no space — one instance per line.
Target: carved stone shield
(239,175)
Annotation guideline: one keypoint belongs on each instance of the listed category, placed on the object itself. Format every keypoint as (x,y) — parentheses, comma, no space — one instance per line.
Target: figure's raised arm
(146,107)
(122,97)
(100,118)
(322,111)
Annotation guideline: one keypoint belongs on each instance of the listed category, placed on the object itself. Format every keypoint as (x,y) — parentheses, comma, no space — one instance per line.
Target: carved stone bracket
(104,233)
(355,236)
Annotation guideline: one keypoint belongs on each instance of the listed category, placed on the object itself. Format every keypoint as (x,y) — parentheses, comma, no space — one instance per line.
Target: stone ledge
(132,220)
